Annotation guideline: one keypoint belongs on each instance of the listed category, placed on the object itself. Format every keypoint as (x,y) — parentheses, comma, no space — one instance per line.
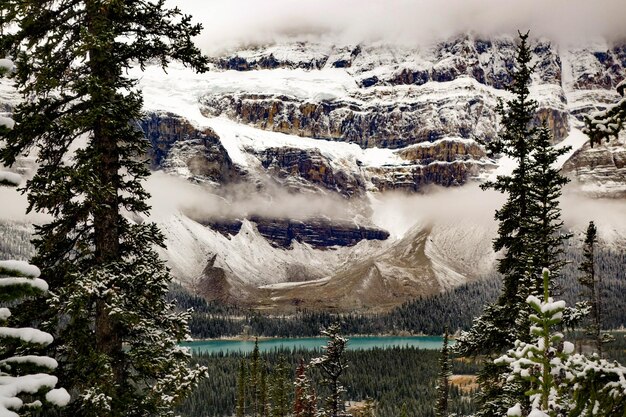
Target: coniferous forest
(92,324)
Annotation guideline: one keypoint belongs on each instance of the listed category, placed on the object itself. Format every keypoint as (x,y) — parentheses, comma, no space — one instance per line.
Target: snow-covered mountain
(286,160)
(347,124)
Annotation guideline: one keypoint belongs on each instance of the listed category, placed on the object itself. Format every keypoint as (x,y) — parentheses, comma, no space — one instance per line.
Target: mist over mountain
(247,22)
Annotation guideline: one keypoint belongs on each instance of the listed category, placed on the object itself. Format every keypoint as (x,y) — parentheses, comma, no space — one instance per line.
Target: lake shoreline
(246,345)
(243,338)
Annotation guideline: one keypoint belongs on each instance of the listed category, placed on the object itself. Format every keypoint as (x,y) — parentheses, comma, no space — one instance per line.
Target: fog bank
(228,23)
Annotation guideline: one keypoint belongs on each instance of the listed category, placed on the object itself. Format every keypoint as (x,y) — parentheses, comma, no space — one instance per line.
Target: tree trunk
(106,209)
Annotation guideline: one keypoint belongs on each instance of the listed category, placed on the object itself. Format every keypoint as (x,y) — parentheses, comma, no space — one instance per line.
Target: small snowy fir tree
(24,380)
(603,125)
(535,361)
(561,382)
(332,365)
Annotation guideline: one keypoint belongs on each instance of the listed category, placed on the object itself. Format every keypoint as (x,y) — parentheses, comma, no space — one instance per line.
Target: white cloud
(231,22)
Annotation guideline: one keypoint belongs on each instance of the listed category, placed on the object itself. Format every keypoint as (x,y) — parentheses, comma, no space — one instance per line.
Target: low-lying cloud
(228,23)
(395,212)
(172,194)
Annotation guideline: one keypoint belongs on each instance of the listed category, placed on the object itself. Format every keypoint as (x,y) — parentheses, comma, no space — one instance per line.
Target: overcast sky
(230,22)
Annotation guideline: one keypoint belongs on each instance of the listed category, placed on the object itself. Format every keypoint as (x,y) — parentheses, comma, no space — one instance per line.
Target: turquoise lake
(224,346)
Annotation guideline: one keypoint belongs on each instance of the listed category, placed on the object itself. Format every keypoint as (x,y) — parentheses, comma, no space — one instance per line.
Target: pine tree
(528,233)
(254,379)
(332,365)
(116,335)
(241,390)
(590,281)
(280,388)
(443,379)
(545,229)
(25,382)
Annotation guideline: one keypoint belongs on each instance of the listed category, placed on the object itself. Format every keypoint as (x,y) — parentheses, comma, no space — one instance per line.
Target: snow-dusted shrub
(562,383)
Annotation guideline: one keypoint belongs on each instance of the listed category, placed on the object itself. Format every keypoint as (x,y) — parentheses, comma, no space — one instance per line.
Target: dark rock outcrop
(320,233)
(467,112)
(599,69)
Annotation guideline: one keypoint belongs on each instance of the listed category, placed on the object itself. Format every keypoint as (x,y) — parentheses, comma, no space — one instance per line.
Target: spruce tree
(117,337)
(332,365)
(443,379)
(25,382)
(499,326)
(545,225)
(403,411)
(590,281)
(264,410)
(241,390)
(280,389)
(254,379)
(528,234)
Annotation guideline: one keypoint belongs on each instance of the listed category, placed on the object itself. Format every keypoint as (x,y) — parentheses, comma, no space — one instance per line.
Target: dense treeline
(428,315)
(391,377)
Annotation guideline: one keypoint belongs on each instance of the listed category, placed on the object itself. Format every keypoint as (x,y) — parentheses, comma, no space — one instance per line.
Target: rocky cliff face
(600,170)
(177,146)
(386,116)
(310,166)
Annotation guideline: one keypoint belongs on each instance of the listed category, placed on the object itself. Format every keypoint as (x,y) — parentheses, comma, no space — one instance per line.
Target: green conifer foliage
(591,282)
(117,337)
(545,225)
(332,365)
(254,380)
(280,389)
(25,382)
(529,233)
(241,390)
(443,379)
(560,382)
